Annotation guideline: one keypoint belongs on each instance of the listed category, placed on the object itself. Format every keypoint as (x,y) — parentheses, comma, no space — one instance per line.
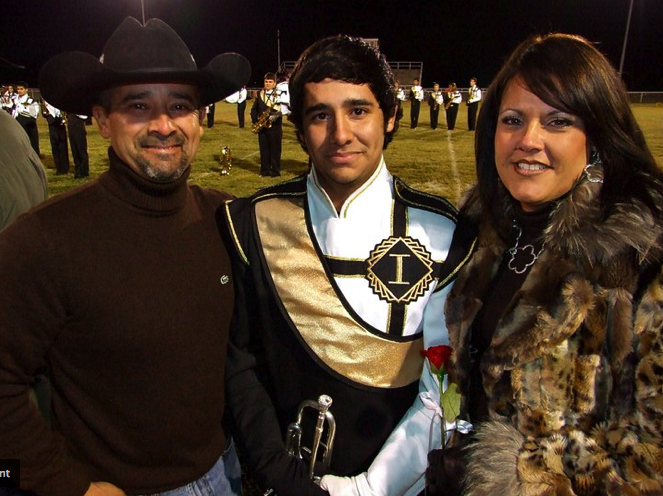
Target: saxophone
(265,121)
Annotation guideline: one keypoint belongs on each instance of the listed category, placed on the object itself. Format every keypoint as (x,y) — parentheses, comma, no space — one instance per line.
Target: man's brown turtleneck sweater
(124,287)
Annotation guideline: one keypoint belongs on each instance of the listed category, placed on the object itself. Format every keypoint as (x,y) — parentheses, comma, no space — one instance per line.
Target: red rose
(438,356)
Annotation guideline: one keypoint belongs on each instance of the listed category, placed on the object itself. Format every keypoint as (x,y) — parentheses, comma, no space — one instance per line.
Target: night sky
(455,40)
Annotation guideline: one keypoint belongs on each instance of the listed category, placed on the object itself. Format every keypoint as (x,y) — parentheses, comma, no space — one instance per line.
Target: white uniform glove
(346,486)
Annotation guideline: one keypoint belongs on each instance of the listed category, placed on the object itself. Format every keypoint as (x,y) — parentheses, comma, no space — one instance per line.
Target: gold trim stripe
(233,233)
(309,298)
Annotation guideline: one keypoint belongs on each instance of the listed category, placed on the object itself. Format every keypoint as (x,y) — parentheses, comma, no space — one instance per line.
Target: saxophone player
(454,98)
(416,97)
(268,105)
(473,99)
(435,99)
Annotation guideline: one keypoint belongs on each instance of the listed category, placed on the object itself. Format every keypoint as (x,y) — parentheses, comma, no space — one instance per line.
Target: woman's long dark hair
(570,74)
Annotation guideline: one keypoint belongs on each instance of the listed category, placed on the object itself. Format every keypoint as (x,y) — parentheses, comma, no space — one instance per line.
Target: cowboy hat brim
(73,81)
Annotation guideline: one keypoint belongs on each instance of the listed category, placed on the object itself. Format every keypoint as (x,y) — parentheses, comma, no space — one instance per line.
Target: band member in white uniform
(9,99)
(473,99)
(400,99)
(341,277)
(416,97)
(435,101)
(26,111)
(239,97)
(57,132)
(454,100)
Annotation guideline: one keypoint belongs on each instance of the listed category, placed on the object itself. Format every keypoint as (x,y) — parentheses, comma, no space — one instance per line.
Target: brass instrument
(293,436)
(265,120)
(226,161)
(437,96)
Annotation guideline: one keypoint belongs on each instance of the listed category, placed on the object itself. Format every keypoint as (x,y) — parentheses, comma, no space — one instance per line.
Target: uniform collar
(380,184)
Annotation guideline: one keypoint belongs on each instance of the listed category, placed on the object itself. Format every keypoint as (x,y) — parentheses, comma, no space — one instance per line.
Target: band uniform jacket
(263,102)
(574,371)
(292,307)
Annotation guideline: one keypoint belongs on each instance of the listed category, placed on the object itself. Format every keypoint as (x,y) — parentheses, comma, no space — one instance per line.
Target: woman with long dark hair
(556,319)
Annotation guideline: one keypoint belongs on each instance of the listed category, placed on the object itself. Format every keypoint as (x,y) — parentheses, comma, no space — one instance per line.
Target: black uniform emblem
(400,269)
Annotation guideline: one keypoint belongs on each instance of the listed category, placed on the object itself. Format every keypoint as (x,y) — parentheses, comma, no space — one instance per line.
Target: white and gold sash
(311,302)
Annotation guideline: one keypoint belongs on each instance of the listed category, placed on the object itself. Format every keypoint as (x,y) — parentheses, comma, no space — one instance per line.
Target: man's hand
(104,489)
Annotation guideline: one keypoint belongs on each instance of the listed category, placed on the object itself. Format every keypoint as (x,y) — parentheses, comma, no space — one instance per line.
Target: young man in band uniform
(332,291)
(269,136)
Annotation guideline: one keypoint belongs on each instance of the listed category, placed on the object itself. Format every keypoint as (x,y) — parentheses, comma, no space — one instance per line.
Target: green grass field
(439,162)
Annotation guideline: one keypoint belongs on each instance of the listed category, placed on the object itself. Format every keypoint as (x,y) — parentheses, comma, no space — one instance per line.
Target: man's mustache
(164,141)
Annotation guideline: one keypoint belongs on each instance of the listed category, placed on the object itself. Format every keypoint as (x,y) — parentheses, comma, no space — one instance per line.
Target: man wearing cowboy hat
(123,287)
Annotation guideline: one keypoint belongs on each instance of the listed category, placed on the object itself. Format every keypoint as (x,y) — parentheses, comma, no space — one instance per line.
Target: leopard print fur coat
(574,372)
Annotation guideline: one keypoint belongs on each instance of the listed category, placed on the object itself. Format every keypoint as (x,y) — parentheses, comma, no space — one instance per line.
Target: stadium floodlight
(628,25)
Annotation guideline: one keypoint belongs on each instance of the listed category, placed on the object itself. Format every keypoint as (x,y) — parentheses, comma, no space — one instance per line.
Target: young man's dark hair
(348,59)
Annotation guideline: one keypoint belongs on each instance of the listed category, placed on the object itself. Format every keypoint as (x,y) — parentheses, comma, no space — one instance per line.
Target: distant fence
(646,96)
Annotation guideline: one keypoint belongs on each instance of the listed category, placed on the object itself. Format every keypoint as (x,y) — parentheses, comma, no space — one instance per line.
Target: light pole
(278,48)
(628,25)
(142,6)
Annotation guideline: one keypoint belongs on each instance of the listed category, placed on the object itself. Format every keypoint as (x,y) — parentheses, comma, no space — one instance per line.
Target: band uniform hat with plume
(137,54)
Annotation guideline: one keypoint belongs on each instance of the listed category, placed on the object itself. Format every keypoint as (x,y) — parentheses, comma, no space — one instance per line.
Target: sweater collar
(152,197)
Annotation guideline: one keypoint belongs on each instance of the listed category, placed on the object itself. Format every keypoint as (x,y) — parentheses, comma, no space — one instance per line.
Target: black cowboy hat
(136,54)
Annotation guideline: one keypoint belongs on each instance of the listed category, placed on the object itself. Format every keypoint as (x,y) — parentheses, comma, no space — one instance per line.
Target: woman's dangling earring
(594,159)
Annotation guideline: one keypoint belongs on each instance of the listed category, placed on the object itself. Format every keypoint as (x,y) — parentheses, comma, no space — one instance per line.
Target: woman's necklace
(526,256)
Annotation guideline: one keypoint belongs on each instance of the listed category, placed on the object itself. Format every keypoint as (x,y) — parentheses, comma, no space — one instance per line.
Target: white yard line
(454,166)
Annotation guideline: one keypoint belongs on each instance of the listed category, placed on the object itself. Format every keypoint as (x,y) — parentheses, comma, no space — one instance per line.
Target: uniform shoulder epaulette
(236,216)
(424,201)
(293,187)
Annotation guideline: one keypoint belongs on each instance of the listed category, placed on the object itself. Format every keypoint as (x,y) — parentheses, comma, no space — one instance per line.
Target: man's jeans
(223,479)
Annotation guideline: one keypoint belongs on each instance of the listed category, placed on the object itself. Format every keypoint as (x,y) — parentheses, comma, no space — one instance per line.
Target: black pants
(452,114)
(434,114)
(472,109)
(78,143)
(57,132)
(241,108)
(30,126)
(269,141)
(210,115)
(414,113)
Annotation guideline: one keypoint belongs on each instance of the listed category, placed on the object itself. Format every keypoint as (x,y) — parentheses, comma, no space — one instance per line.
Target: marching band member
(400,98)
(267,103)
(416,97)
(239,97)
(454,98)
(283,92)
(333,296)
(473,99)
(78,143)
(57,132)
(9,99)
(26,111)
(435,99)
